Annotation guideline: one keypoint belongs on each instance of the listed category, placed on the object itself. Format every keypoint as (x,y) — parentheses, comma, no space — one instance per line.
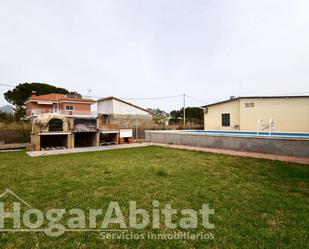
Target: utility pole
(184,111)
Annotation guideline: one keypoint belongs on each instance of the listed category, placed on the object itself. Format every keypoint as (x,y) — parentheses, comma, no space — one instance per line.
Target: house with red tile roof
(66,121)
(65,104)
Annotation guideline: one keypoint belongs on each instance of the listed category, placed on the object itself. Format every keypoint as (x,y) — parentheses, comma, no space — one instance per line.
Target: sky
(207,49)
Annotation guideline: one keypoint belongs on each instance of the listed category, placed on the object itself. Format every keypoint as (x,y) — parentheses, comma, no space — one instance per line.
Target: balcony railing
(66,113)
(76,113)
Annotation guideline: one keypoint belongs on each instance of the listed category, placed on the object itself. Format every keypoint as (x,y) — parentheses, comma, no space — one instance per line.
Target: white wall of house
(113,106)
(105,107)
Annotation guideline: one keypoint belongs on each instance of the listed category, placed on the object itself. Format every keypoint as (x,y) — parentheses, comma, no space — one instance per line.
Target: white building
(117,112)
(115,106)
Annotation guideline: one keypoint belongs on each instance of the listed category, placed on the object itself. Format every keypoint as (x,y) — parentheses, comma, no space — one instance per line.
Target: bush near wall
(15,133)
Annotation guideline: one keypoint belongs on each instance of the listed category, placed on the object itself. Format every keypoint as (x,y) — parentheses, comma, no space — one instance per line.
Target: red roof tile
(59,97)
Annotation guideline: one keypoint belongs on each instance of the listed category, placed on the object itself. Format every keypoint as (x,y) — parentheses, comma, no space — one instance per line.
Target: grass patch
(258,203)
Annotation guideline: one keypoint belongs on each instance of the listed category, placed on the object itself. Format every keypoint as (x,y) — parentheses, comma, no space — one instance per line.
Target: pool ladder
(265,126)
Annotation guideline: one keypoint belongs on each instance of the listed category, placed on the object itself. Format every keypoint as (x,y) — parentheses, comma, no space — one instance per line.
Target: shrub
(15,132)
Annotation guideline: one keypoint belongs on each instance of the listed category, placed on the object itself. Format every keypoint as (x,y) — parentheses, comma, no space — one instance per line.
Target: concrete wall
(78,107)
(105,107)
(113,106)
(30,106)
(279,146)
(289,114)
(36,141)
(212,119)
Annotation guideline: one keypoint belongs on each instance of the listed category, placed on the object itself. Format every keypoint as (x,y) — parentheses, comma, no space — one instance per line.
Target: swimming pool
(279,143)
(254,133)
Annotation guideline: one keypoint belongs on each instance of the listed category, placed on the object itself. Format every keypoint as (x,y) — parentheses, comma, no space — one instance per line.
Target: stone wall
(125,121)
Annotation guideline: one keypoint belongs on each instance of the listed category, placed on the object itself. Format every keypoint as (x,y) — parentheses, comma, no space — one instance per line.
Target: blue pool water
(254,133)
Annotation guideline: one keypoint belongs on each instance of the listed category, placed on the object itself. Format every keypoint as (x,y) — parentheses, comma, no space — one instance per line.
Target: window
(225,119)
(69,108)
(55,108)
(249,104)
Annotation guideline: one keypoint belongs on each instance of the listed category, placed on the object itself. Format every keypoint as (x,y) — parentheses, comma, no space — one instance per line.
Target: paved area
(86,149)
(302,160)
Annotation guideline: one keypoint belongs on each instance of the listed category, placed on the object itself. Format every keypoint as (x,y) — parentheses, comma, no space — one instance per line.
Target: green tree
(157,112)
(193,114)
(176,114)
(159,115)
(23,91)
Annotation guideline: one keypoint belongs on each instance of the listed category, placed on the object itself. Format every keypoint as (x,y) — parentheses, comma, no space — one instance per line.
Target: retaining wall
(269,145)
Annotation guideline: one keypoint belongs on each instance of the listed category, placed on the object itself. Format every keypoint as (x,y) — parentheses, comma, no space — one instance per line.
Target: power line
(146,98)
(153,98)
(198,100)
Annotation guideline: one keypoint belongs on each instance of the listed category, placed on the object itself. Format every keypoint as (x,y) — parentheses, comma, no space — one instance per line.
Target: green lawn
(258,203)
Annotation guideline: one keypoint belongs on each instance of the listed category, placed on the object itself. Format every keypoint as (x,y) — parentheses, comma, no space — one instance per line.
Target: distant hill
(7,108)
